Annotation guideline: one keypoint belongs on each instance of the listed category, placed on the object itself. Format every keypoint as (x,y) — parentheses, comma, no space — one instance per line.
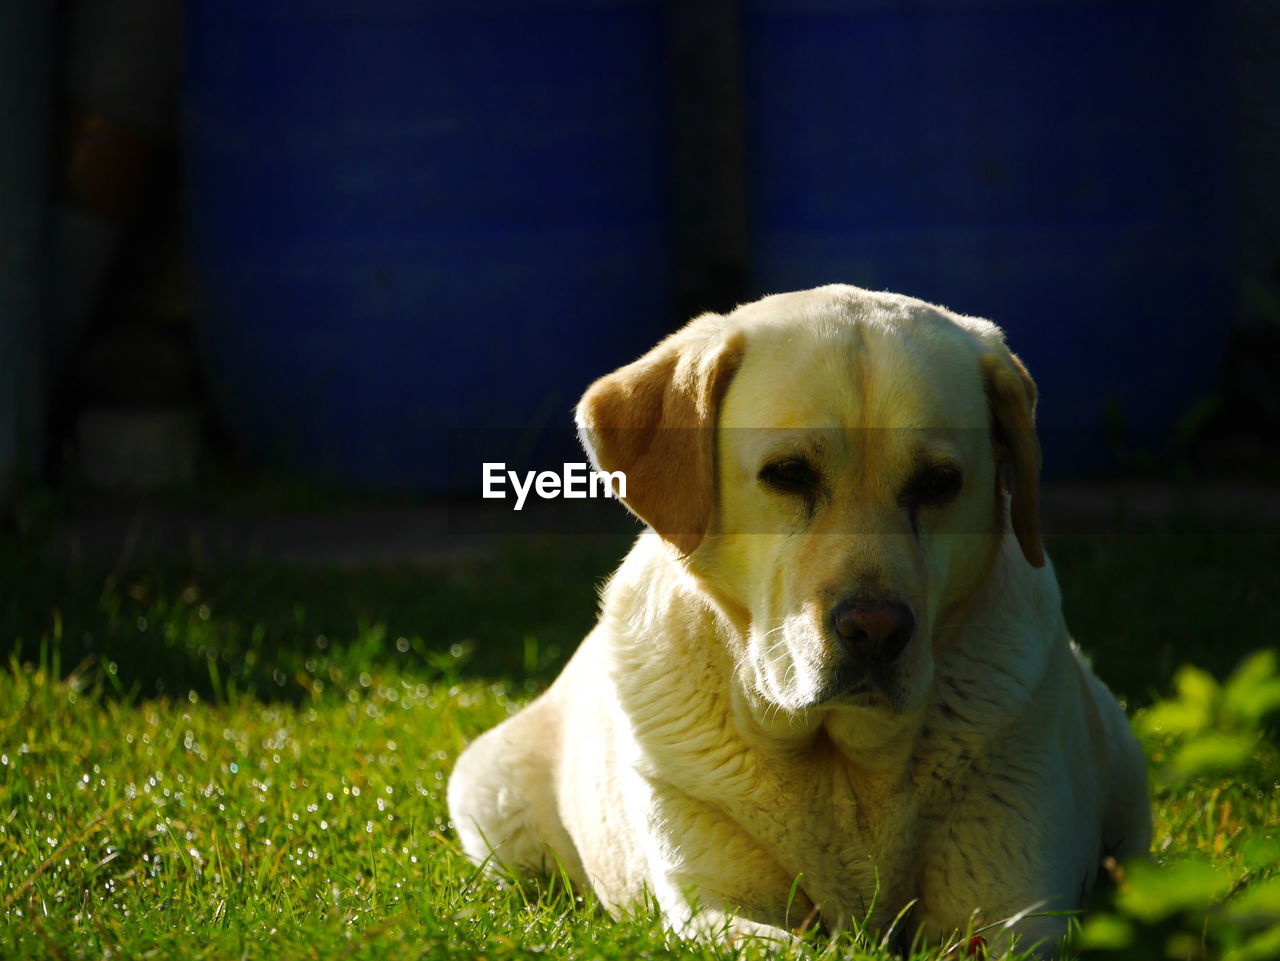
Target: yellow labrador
(833,675)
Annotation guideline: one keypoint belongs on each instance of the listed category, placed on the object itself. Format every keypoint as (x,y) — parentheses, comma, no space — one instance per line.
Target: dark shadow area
(1142,596)
(276,630)
(1143,604)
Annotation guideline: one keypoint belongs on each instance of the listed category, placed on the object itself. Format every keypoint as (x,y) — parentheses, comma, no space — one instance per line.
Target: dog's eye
(790,476)
(934,486)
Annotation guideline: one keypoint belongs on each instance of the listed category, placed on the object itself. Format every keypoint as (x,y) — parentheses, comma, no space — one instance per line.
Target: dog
(832,679)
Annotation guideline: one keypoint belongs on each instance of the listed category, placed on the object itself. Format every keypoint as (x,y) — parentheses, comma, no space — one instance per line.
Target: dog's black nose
(874,628)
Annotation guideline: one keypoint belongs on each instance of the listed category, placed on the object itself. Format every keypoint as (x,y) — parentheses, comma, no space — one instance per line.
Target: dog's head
(839,468)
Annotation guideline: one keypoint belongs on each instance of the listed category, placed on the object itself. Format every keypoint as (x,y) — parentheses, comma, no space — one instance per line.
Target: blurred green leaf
(1173,717)
(1190,711)
(1215,753)
(1260,947)
(1263,852)
(1105,932)
(1258,904)
(1253,691)
(1257,667)
(1196,686)
(1151,893)
(1184,946)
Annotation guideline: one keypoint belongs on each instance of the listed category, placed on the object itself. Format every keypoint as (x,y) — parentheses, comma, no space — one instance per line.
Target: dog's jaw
(860,721)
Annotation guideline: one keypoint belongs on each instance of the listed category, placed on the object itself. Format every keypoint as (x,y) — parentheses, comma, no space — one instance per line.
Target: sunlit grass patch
(239,821)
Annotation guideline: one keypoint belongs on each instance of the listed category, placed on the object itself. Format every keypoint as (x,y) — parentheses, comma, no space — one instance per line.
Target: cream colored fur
(701,745)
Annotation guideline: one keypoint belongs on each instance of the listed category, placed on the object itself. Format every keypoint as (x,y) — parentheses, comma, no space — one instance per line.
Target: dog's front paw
(740,932)
(737,930)
(725,928)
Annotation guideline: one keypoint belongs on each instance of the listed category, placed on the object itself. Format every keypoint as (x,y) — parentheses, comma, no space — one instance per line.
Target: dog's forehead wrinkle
(878,370)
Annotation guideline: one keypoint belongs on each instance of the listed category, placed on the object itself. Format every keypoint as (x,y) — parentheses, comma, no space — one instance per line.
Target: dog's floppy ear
(654,420)
(1011,394)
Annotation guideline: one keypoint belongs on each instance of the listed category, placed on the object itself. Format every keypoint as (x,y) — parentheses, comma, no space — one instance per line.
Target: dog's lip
(847,682)
(867,690)
(858,692)
(858,696)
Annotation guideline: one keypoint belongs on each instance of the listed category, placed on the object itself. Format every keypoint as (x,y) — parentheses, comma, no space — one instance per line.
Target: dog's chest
(851,834)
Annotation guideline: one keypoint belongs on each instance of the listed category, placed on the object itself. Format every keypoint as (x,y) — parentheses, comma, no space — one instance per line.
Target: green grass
(250,762)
